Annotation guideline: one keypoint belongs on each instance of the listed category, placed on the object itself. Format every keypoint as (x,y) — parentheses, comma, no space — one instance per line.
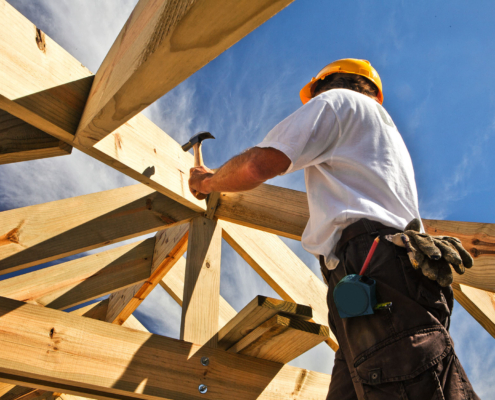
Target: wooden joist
(20,141)
(254,314)
(281,339)
(53,350)
(170,245)
(40,233)
(281,269)
(200,304)
(161,45)
(78,281)
(479,240)
(173,283)
(479,303)
(262,209)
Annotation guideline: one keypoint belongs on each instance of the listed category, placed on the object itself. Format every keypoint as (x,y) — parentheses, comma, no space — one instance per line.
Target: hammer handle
(198,157)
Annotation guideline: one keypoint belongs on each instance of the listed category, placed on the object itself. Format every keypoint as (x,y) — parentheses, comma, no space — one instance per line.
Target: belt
(361,227)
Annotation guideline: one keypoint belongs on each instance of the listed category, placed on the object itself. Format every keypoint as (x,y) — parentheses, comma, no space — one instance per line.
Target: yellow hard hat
(346,66)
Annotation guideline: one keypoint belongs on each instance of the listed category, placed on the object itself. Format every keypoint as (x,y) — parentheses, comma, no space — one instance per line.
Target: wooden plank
(58,351)
(262,209)
(81,280)
(161,45)
(281,339)
(281,269)
(170,245)
(173,283)
(200,307)
(133,323)
(479,240)
(258,311)
(20,141)
(48,89)
(479,303)
(97,311)
(40,233)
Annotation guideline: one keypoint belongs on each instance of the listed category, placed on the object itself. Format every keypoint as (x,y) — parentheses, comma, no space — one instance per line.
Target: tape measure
(355,295)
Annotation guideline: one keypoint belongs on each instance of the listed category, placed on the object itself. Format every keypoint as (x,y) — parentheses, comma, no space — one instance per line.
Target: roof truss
(49,94)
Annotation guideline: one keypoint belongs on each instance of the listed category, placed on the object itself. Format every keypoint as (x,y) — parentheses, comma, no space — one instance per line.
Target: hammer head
(198,138)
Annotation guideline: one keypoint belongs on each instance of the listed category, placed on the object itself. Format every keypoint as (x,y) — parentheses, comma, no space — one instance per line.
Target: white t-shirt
(355,162)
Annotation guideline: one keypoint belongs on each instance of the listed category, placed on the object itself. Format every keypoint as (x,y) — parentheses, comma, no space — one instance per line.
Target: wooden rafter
(170,245)
(20,141)
(48,349)
(162,44)
(40,233)
(78,281)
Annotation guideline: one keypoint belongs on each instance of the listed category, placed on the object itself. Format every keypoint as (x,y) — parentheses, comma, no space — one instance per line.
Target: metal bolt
(202,389)
(205,361)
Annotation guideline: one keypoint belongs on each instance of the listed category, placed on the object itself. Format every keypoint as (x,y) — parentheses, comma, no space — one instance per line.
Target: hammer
(195,143)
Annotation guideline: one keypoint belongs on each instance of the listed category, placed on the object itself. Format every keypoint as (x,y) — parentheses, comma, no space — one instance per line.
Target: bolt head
(202,389)
(205,361)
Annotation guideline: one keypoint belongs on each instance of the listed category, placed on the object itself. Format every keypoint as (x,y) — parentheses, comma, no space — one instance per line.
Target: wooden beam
(48,88)
(254,314)
(281,269)
(173,283)
(479,240)
(20,141)
(479,303)
(161,45)
(200,307)
(58,351)
(262,209)
(170,245)
(281,339)
(40,233)
(78,281)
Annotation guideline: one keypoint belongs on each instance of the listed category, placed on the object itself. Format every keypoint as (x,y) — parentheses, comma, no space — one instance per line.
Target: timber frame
(50,103)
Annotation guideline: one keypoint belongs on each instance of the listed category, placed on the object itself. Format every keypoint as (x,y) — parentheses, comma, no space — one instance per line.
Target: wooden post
(200,305)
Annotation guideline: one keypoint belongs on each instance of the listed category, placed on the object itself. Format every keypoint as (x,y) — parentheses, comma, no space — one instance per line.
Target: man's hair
(354,82)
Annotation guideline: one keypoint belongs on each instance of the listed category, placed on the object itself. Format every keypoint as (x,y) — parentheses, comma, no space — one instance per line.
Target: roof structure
(50,103)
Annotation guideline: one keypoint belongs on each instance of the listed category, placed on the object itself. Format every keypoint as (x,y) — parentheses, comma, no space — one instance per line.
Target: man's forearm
(247,170)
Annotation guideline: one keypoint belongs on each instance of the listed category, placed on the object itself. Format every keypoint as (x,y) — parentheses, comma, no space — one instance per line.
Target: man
(360,185)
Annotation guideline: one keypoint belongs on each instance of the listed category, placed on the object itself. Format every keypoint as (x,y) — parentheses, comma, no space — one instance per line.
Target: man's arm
(243,172)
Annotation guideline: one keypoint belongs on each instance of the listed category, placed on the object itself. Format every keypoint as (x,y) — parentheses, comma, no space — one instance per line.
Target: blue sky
(435,59)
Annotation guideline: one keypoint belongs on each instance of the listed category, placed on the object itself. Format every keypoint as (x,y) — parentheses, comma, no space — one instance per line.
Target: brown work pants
(404,352)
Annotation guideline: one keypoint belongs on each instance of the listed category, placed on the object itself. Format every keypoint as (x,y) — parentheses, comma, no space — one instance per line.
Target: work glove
(434,255)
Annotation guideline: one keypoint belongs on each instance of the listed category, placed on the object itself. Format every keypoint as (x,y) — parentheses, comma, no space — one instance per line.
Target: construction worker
(360,184)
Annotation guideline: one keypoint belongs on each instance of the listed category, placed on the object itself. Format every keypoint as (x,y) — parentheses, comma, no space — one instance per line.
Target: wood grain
(161,45)
(20,141)
(281,339)
(479,303)
(255,313)
(78,281)
(170,245)
(173,283)
(479,240)
(48,89)
(200,304)
(281,269)
(40,233)
(62,352)
(262,208)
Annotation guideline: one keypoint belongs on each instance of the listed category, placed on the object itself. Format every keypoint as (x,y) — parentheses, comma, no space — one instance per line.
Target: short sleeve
(306,135)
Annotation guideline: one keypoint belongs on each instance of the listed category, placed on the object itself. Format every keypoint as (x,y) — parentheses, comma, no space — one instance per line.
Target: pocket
(403,356)
(426,292)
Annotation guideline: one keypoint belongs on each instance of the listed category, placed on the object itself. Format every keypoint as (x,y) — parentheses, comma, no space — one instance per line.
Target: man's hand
(243,172)
(197,185)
